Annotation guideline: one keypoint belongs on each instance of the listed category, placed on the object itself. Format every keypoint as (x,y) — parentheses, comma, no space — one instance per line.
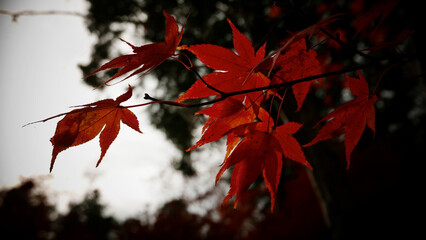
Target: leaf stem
(205,83)
(280,107)
(189,60)
(333,37)
(270,110)
(192,69)
(224,95)
(381,76)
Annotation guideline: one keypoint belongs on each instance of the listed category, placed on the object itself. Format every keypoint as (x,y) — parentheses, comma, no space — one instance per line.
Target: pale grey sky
(39,78)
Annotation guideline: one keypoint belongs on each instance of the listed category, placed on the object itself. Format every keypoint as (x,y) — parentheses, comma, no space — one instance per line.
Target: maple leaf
(351,117)
(148,56)
(308,32)
(382,9)
(261,151)
(224,116)
(235,68)
(295,63)
(82,125)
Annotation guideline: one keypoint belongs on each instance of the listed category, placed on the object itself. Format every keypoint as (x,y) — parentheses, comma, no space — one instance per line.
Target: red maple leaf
(235,68)
(351,117)
(148,56)
(261,151)
(295,63)
(82,125)
(382,8)
(224,116)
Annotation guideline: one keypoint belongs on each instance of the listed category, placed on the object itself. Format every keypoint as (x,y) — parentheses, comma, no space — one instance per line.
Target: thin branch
(205,83)
(192,69)
(280,107)
(345,45)
(16,15)
(270,112)
(300,80)
(184,64)
(226,95)
(173,103)
(75,111)
(381,76)
(273,86)
(333,37)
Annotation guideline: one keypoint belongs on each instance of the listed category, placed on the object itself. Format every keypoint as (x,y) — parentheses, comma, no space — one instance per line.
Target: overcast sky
(39,78)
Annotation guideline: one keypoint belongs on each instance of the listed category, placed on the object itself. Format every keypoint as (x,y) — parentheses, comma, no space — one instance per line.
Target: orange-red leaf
(82,125)
(295,63)
(256,153)
(223,116)
(261,152)
(235,67)
(291,148)
(350,118)
(148,56)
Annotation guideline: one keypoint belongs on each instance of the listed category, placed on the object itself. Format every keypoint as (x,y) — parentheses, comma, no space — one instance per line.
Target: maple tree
(245,94)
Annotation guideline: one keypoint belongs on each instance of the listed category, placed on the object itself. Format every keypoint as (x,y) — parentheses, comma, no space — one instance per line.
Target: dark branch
(207,85)
(273,86)
(16,15)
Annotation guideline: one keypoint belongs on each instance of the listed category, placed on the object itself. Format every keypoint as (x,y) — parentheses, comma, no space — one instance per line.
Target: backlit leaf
(350,118)
(82,125)
(146,57)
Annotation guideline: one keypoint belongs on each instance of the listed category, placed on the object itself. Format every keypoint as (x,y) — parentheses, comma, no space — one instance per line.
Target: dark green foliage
(25,213)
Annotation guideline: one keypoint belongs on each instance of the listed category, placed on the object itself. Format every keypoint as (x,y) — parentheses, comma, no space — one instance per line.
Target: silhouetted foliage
(381,210)
(86,220)
(25,213)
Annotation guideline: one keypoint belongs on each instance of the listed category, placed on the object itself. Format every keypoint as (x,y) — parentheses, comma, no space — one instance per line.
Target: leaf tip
(272,204)
(52,162)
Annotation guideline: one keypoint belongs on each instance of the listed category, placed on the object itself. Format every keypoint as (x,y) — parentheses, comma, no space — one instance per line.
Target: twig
(16,15)
(333,37)
(273,86)
(230,94)
(280,107)
(192,69)
(205,83)
(173,103)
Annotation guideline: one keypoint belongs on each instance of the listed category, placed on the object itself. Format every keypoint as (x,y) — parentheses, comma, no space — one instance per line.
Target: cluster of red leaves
(255,143)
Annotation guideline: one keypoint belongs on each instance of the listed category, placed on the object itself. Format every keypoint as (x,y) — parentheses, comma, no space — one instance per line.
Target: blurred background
(147,186)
